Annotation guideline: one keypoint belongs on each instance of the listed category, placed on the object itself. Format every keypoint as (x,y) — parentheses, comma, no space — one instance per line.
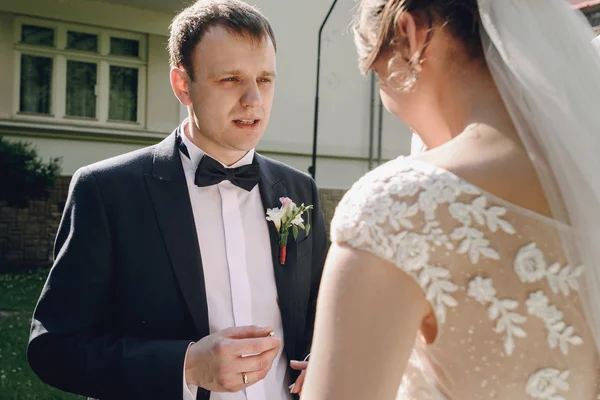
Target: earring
(405,80)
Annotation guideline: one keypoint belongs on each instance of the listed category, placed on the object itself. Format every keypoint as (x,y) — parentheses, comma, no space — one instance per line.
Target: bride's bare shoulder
(495,163)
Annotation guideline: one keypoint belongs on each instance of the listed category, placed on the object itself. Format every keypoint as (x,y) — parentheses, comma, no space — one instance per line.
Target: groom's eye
(230,79)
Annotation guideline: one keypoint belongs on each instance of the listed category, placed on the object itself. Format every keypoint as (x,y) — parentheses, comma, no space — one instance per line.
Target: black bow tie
(211,172)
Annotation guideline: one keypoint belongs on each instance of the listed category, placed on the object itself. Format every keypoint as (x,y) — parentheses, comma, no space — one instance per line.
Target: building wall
(163,107)
(94,13)
(27,234)
(346,133)
(345,95)
(593,15)
(75,152)
(75,143)
(345,101)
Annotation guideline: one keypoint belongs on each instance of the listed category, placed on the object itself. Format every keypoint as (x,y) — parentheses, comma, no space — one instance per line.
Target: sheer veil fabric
(548,73)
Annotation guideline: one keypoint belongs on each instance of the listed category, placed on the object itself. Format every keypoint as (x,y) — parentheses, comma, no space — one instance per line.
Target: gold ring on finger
(245,378)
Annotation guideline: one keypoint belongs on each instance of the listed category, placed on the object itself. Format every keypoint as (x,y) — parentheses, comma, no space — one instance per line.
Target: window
(38,35)
(36,84)
(82,41)
(124,47)
(123,94)
(79,74)
(81,89)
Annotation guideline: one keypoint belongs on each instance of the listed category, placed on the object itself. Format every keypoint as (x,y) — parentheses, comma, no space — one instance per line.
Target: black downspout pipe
(313,168)
(380,133)
(371,120)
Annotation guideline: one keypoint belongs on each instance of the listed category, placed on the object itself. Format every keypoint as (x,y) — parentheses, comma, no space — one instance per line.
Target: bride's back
(514,327)
(506,304)
(468,220)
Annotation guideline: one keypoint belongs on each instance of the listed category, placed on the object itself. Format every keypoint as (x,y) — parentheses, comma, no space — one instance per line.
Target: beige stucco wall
(96,13)
(344,98)
(162,106)
(76,153)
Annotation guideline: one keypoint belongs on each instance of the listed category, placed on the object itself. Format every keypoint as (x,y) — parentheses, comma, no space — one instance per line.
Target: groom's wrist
(188,367)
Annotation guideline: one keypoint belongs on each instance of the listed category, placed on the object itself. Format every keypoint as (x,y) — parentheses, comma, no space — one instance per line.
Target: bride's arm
(368,314)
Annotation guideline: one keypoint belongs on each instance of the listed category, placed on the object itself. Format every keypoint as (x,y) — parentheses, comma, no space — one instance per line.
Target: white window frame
(102,58)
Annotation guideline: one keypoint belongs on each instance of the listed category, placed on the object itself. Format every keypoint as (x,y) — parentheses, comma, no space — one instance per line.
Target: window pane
(39,35)
(36,84)
(123,94)
(82,41)
(124,47)
(81,85)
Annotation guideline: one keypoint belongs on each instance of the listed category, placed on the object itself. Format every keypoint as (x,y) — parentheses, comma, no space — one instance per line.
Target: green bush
(23,174)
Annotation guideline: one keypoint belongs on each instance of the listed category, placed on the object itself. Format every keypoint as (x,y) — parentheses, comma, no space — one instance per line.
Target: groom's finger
(260,362)
(256,376)
(247,347)
(246,332)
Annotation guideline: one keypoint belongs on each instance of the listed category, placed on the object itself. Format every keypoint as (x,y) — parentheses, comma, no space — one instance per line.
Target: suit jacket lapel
(169,192)
(272,187)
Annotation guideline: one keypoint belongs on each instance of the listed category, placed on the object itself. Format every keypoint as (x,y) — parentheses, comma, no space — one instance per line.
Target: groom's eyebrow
(238,72)
(269,74)
(231,72)
(222,73)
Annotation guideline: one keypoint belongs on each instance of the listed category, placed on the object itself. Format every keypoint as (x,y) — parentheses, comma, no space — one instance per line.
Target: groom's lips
(247,123)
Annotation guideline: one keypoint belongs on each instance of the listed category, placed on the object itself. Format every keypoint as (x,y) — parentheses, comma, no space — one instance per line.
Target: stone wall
(593,16)
(27,235)
(329,200)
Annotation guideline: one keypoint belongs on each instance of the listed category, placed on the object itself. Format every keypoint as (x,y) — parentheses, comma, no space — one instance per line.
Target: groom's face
(232,91)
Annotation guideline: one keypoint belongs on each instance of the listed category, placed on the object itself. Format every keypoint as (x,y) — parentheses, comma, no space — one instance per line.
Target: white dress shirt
(236,253)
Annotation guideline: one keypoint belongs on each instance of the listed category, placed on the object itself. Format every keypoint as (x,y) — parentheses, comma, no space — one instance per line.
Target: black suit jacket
(126,294)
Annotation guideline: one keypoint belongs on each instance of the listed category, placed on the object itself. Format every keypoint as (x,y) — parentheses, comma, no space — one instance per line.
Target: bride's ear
(410,43)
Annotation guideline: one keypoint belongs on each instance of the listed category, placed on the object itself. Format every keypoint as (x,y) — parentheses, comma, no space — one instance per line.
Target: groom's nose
(252,96)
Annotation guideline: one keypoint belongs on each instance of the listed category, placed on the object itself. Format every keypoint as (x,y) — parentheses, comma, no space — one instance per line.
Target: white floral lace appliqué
(530,266)
(546,383)
(559,334)
(500,310)
(412,252)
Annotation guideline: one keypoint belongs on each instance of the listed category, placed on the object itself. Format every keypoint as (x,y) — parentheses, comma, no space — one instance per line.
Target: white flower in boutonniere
(289,216)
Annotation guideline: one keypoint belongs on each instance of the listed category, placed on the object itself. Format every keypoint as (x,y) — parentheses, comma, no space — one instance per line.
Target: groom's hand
(215,362)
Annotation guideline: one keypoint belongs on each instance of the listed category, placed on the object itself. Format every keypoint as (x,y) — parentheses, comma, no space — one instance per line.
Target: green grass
(18,294)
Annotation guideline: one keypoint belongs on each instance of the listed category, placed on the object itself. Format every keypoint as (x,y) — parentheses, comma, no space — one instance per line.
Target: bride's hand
(296,388)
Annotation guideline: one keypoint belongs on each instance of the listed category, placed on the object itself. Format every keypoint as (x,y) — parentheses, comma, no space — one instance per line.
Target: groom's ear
(180,82)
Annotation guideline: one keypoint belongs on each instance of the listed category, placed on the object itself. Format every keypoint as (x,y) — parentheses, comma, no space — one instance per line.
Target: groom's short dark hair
(189,26)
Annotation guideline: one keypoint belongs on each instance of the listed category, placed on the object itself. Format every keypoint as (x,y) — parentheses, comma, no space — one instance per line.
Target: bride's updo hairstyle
(375,31)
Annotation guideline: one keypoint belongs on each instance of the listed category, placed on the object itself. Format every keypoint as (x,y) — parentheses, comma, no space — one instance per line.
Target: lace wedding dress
(509,321)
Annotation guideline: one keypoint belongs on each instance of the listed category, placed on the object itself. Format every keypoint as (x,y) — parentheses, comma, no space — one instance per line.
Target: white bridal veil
(542,58)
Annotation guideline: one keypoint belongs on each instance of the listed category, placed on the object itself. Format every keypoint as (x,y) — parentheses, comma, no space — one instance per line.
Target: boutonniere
(289,216)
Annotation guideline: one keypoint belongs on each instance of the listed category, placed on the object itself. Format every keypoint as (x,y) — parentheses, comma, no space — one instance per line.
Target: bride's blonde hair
(376,21)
